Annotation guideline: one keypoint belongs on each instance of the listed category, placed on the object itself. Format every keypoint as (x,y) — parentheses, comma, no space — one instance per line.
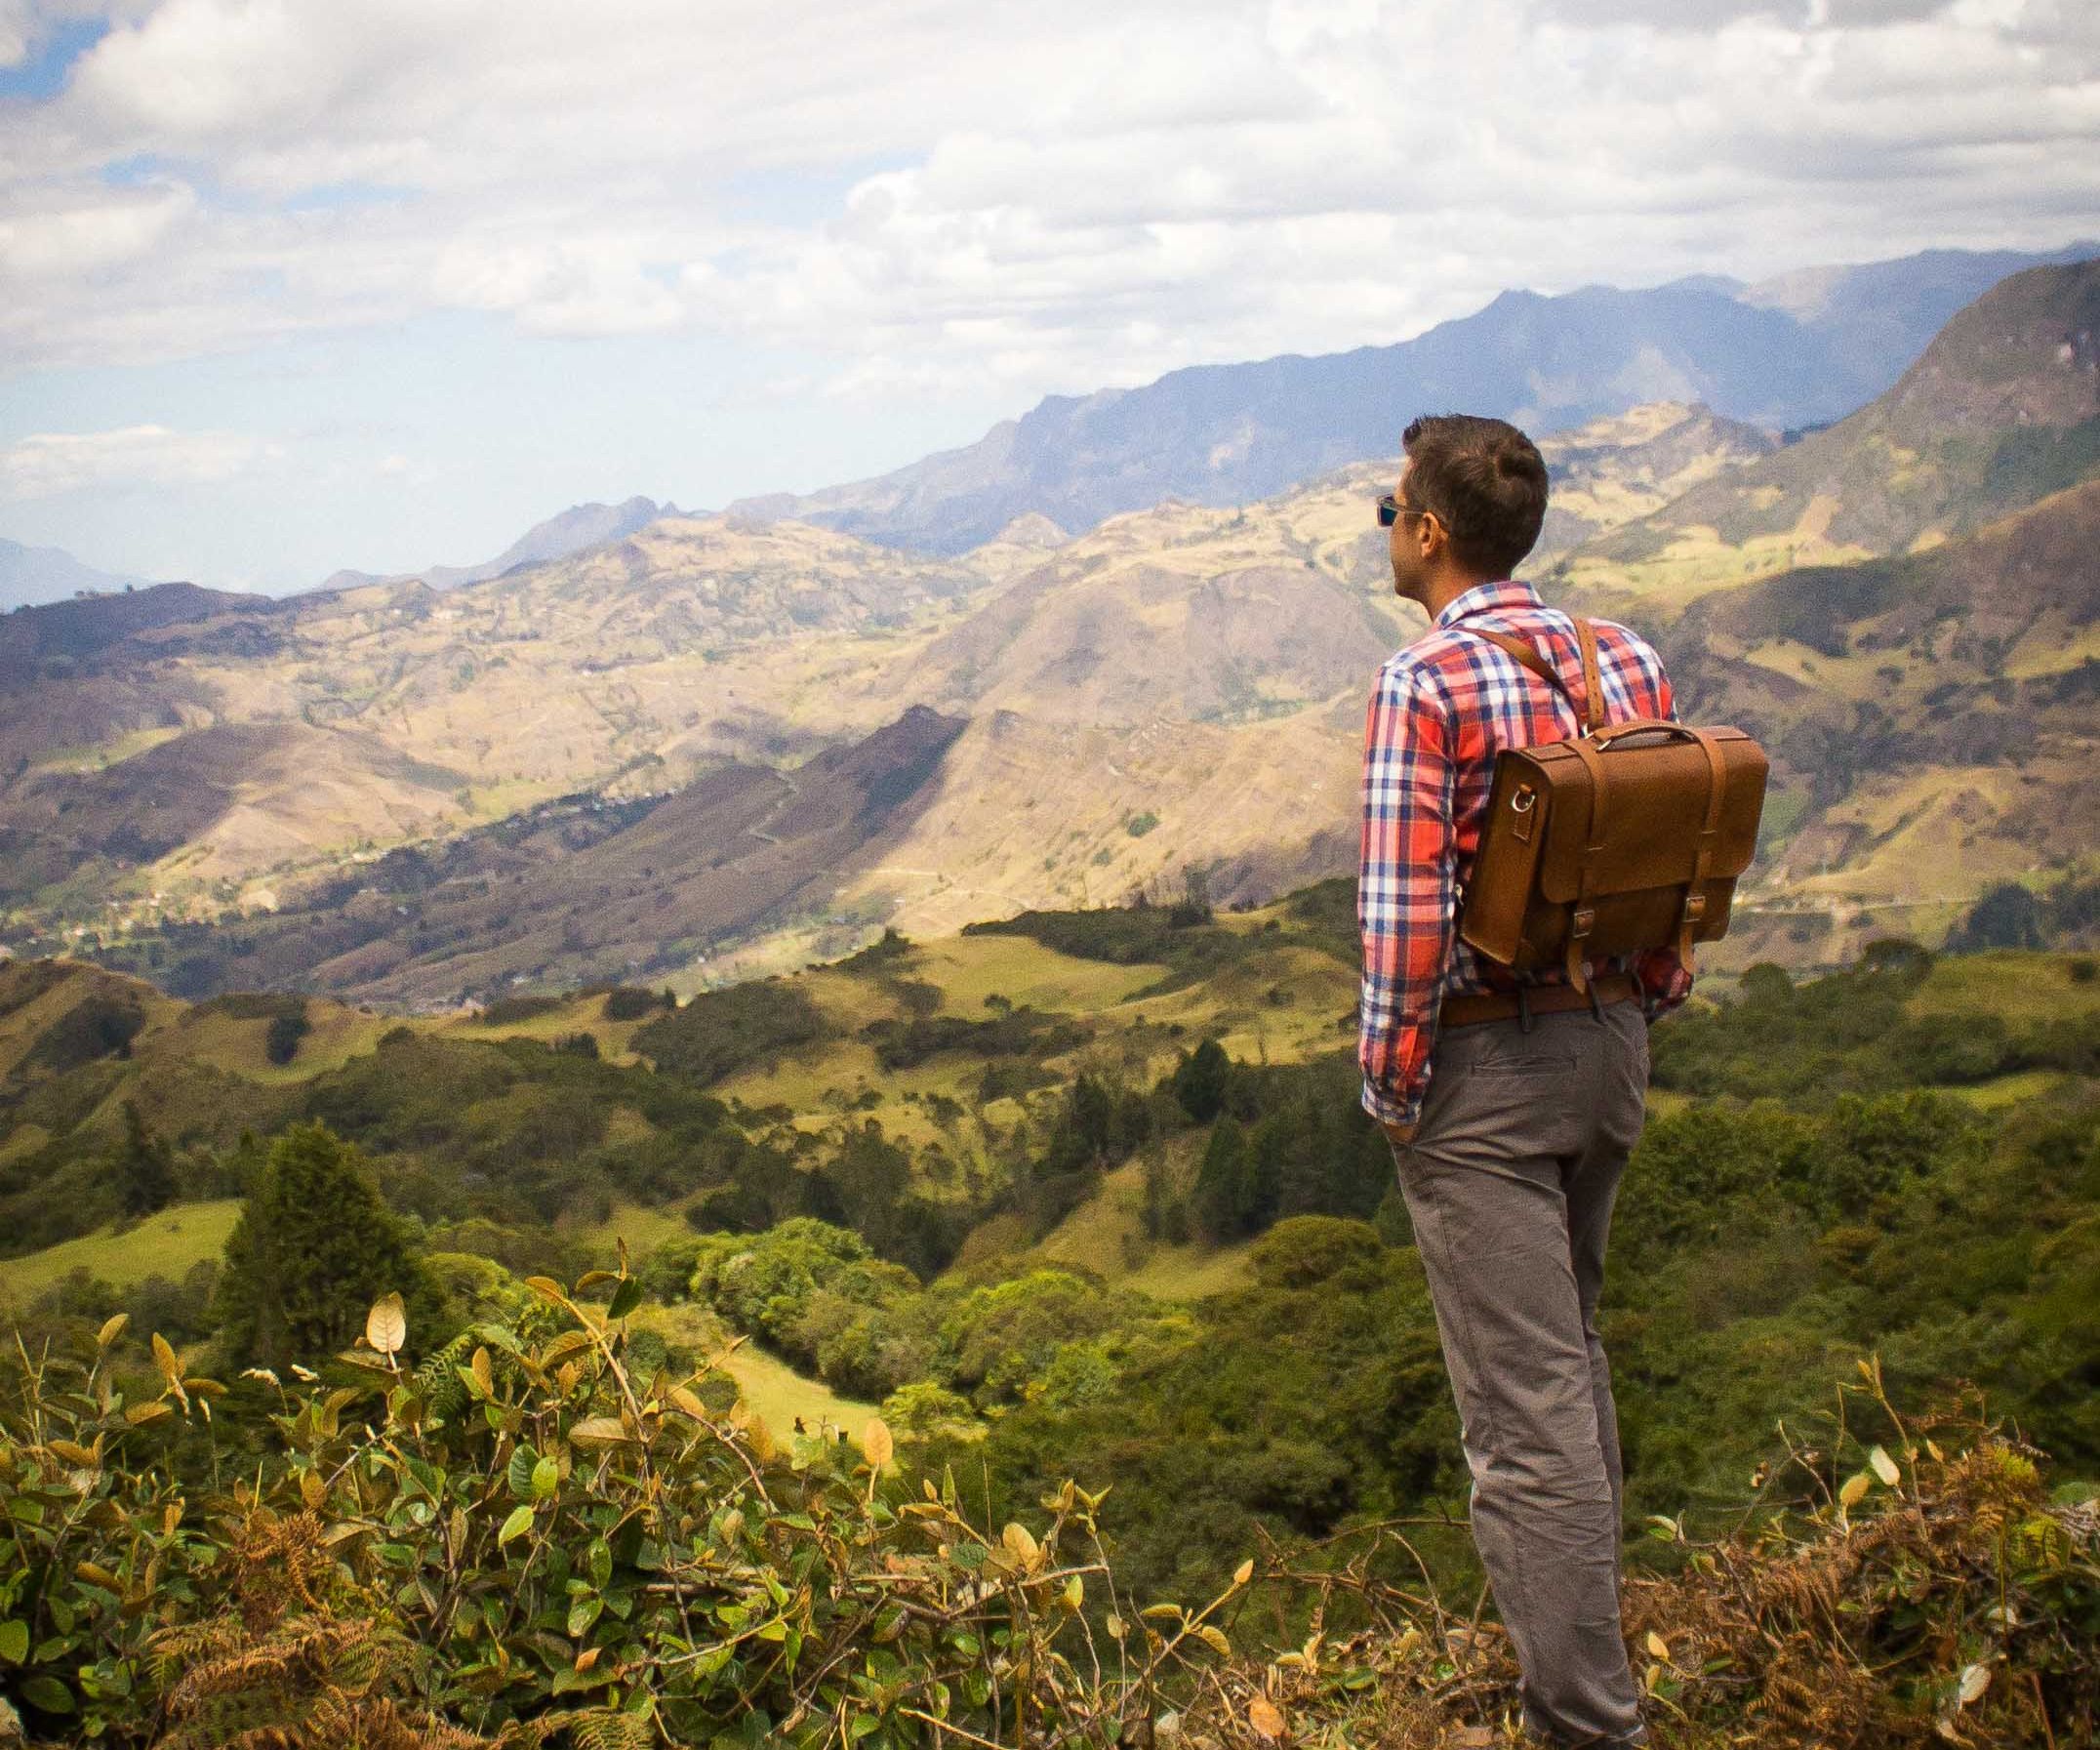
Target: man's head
(1472,498)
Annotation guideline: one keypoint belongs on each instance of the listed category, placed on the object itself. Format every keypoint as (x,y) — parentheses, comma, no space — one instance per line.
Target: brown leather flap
(1655,805)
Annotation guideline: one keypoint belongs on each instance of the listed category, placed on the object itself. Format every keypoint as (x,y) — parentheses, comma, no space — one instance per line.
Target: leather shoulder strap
(1527,654)
(1590,706)
(1593,685)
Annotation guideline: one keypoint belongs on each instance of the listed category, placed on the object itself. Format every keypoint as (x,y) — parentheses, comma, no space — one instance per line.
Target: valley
(566,771)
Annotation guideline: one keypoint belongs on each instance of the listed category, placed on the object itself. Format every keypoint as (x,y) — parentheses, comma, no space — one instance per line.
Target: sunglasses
(1391,510)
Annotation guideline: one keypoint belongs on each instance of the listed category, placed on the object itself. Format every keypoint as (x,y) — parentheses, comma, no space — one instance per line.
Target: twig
(912,1713)
(2041,1709)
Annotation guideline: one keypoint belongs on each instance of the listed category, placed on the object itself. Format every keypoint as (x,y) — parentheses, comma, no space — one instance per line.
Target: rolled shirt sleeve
(1407,886)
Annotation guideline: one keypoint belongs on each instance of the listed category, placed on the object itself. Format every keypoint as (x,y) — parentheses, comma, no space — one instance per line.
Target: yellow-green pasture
(970,968)
(573,1014)
(1281,1004)
(169,1244)
(2018,987)
(1106,1235)
(773,1390)
(21,1027)
(2003,1091)
(1697,562)
(96,757)
(336,1034)
(643,1228)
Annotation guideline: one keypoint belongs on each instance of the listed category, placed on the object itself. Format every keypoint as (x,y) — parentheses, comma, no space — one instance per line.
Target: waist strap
(1540,999)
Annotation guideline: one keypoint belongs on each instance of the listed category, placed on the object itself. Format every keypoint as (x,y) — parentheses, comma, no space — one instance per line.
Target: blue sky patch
(43,74)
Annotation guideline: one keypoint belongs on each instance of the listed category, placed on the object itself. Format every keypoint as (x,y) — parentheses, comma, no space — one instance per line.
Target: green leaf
(600,1561)
(582,1614)
(516,1525)
(14,1641)
(519,1471)
(48,1695)
(546,1479)
(567,1680)
(626,1298)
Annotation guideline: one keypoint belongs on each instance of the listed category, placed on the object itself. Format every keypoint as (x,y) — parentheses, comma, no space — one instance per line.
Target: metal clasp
(1523,807)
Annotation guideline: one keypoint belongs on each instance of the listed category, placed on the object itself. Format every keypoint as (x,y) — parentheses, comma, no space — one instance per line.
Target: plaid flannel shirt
(1443,707)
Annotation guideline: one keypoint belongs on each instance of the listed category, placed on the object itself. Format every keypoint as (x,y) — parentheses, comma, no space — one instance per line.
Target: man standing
(1510,1115)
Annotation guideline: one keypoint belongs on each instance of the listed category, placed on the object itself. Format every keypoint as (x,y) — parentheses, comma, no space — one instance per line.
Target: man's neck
(1439,592)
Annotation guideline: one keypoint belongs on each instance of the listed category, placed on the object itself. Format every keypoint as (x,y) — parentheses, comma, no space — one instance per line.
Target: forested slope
(1076,1195)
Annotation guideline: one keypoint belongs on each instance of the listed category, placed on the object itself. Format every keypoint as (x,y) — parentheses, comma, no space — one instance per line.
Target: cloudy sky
(287,285)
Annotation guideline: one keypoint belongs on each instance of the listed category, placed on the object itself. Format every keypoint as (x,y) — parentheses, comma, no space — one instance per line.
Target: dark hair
(1486,482)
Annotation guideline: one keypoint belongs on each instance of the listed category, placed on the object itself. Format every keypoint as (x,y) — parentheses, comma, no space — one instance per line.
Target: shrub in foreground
(525,1541)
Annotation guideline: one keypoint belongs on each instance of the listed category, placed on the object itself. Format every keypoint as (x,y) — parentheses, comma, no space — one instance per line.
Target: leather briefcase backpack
(1628,837)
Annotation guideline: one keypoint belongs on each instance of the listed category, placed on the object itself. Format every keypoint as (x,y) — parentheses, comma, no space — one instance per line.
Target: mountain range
(1788,353)
(1785,354)
(1998,409)
(581,767)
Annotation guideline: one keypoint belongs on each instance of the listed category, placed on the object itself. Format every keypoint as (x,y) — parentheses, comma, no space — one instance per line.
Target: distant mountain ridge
(579,527)
(33,575)
(2000,410)
(1788,353)
(76,631)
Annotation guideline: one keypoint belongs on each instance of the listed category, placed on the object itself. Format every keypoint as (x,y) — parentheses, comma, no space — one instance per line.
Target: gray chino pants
(1509,1183)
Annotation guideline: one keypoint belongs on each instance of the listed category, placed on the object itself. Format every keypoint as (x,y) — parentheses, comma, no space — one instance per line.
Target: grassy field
(1106,1235)
(2009,1090)
(774,1392)
(1696,562)
(643,1228)
(98,756)
(21,1027)
(970,968)
(2020,987)
(336,1034)
(165,1244)
(574,1014)
(823,1082)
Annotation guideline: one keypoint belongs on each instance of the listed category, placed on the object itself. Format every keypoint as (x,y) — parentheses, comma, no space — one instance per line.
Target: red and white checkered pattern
(1443,707)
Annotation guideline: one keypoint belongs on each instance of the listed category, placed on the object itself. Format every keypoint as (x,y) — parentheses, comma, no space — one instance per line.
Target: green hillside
(1079,1196)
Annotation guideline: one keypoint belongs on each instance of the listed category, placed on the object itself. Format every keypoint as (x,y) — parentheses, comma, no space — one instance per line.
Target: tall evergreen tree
(313,1249)
(144,1166)
(1221,1182)
(1200,1079)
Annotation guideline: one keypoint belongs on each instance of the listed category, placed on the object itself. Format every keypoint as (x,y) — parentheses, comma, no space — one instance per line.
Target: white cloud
(13,33)
(1066,197)
(46,465)
(90,235)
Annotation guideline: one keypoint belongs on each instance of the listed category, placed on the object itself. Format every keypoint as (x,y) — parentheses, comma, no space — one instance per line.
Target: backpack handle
(1643,726)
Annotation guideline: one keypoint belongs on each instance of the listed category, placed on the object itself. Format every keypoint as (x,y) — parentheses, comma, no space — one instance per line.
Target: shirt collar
(1484,598)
